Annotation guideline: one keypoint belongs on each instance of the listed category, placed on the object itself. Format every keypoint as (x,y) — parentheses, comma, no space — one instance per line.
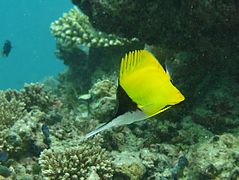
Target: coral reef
(34,95)
(103,100)
(215,159)
(76,163)
(146,150)
(175,24)
(74,30)
(86,50)
(128,166)
(218,111)
(22,115)
(42,128)
(11,109)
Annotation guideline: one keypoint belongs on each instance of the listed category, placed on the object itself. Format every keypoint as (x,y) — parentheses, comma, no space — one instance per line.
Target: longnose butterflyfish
(144,90)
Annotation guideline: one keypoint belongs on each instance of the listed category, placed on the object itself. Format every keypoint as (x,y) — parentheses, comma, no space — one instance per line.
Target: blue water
(26,24)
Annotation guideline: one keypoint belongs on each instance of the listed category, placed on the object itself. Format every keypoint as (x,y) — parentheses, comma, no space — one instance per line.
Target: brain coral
(79,162)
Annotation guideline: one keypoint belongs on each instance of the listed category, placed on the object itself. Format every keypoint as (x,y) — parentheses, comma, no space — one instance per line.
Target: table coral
(74,29)
(76,163)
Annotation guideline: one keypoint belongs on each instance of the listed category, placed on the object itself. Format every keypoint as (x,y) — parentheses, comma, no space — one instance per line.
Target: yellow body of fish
(147,84)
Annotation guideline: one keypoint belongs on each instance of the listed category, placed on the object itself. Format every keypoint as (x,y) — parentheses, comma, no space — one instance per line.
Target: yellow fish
(144,90)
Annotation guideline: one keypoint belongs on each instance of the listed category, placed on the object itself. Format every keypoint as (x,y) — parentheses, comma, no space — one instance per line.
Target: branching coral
(74,29)
(21,115)
(34,95)
(76,163)
(11,109)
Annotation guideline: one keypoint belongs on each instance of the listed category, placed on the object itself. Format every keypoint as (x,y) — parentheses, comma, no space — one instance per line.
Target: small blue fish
(3,156)
(45,130)
(179,167)
(46,134)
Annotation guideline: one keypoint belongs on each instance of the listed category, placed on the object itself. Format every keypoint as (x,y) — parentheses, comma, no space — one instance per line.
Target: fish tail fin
(126,118)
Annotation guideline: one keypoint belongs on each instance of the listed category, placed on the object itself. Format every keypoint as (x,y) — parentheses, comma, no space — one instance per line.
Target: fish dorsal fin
(135,61)
(141,75)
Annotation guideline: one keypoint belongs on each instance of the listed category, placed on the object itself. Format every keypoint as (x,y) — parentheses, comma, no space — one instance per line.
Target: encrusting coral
(80,162)
(74,29)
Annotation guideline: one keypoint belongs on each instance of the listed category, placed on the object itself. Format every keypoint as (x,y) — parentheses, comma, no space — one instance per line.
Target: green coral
(76,163)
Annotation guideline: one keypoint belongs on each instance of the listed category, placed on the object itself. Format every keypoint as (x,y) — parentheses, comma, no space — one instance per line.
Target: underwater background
(59,82)
(26,25)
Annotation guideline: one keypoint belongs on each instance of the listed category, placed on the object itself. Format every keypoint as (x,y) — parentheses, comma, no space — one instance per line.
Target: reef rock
(177,23)
(215,159)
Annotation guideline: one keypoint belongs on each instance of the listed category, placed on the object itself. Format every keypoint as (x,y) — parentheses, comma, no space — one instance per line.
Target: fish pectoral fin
(126,118)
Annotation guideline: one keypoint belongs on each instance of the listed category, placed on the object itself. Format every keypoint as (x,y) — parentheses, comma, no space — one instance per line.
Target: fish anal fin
(125,103)
(153,109)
